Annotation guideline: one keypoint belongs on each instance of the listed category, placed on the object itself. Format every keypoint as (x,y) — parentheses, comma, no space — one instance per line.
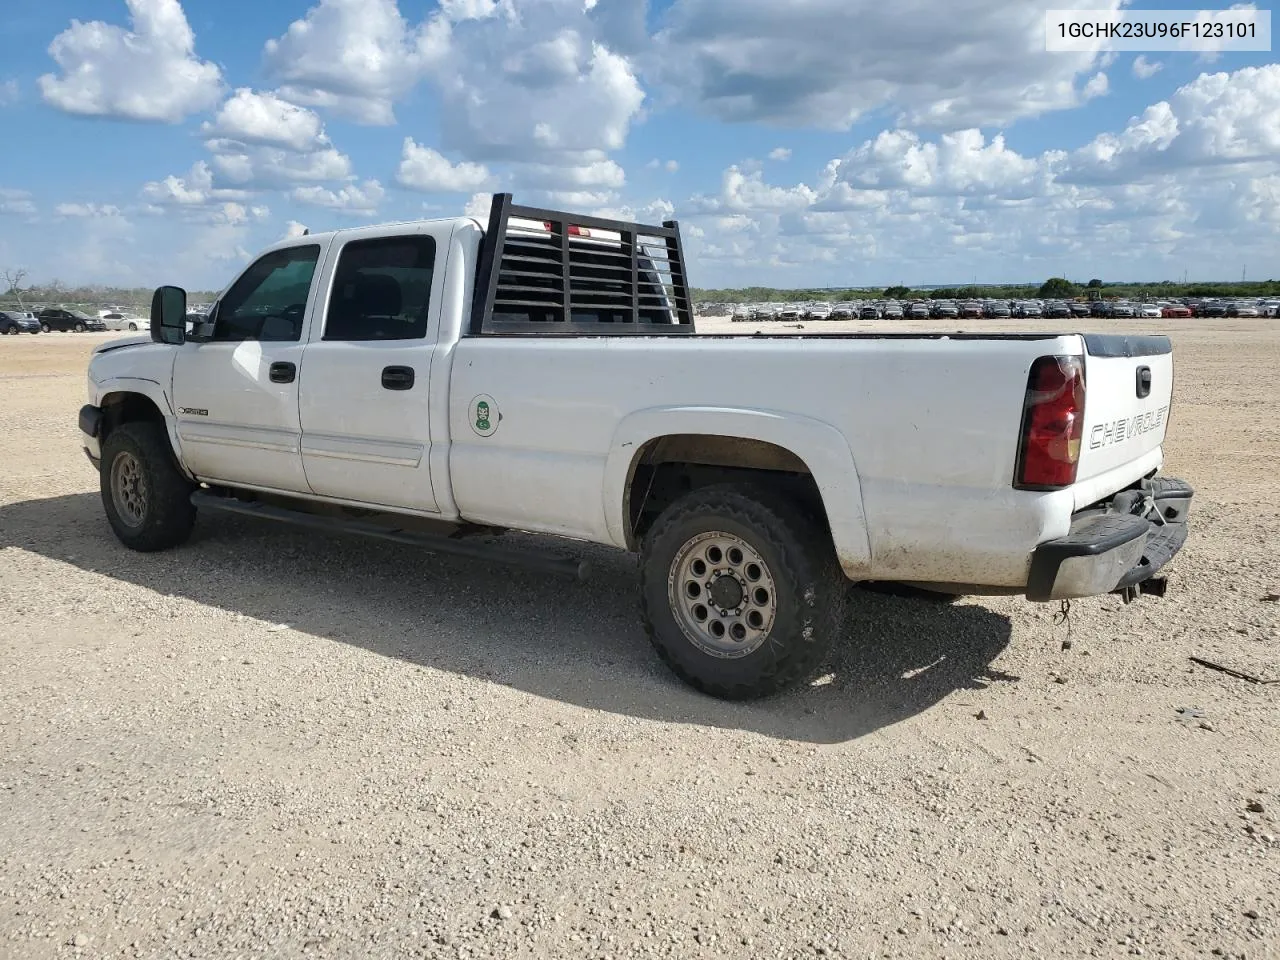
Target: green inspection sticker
(484,415)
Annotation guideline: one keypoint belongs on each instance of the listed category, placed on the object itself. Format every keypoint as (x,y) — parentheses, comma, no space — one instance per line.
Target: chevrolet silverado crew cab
(431,381)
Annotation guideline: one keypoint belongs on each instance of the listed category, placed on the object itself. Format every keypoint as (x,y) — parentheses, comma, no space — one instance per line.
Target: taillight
(1052,424)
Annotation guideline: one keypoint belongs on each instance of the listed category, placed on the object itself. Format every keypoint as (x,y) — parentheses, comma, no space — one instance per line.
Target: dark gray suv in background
(59,318)
(13,323)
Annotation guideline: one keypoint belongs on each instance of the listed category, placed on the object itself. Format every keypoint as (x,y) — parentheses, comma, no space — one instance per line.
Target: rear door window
(382,289)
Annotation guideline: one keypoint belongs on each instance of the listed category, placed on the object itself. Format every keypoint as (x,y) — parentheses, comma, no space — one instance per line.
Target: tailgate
(1128,388)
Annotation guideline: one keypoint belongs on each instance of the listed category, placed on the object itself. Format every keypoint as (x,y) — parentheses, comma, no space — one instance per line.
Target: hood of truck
(122,342)
(132,358)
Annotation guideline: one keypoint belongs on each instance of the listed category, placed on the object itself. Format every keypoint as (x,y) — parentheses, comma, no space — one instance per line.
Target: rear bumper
(1115,547)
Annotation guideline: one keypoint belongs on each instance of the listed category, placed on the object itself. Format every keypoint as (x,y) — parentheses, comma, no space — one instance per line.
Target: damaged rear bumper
(1117,546)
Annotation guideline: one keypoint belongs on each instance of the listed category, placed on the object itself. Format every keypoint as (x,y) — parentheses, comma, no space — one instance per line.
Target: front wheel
(79,328)
(44,327)
(741,594)
(146,498)
(133,328)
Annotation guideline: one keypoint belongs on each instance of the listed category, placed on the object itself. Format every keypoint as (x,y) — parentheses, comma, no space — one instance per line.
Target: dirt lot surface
(276,744)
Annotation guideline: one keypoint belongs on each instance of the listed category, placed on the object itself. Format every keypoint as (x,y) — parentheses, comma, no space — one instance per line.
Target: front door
(366,435)
(236,394)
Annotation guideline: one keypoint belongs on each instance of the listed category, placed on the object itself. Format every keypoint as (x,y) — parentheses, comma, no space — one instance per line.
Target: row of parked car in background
(66,320)
(999,309)
(49,319)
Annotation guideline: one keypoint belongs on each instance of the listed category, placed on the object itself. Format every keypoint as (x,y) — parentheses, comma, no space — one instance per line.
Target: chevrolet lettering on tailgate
(1118,431)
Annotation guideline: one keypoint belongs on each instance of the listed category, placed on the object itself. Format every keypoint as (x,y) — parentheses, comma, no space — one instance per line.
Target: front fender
(821,446)
(102,393)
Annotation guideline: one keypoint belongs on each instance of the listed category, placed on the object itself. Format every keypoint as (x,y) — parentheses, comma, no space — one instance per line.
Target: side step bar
(563,567)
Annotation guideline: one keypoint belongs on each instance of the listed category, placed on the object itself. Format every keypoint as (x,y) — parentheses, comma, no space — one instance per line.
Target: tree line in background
(1055,288)
(14,295)
(138,299)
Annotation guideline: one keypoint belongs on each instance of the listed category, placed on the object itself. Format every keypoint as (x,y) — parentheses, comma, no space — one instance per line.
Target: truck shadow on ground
(579,643)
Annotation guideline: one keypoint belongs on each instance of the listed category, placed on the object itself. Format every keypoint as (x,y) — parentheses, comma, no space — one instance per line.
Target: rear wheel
(45,328)
(146,498)
(11,331)
(741,594)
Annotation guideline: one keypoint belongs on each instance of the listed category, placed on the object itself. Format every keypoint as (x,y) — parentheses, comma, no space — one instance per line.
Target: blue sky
(814,142)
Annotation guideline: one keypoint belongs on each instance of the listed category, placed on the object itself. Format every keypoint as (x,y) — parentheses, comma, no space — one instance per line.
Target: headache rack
(549,273)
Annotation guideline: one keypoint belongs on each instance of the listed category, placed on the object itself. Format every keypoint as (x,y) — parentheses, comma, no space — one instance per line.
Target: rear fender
(821,446)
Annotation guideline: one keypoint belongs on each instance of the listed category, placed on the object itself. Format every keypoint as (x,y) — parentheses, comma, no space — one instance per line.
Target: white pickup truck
(429,380)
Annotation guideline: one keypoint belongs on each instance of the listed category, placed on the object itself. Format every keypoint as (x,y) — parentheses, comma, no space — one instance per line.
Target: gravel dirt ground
(277,744)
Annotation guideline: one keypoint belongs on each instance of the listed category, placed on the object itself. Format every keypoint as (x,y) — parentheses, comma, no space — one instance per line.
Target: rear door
(236,395)
(1128,388)
(366,436)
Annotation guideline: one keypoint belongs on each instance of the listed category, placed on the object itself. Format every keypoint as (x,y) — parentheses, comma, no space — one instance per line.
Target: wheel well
(118,408)
(667,468)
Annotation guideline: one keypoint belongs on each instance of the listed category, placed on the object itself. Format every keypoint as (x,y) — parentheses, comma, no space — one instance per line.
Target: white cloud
(237,213)
(1098,86)
(1145,69)
(961,162)
(591,170)
(148,73)
(745,189)
(352,198)
(458,10)
(193,190)
(537,85)
(1193,182)
(9,93)
(478,207)
(573,199)
(86,210)
(535,89)
(211,252)
(671,166)
(1217,120)
(780,153)
(518,81)
(267,120)
(16,203)
(653,212)
(355,57)
(245,167)
(827,63)
(422,168)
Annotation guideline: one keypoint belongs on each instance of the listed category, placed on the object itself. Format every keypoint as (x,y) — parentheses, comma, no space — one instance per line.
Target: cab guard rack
(551,273)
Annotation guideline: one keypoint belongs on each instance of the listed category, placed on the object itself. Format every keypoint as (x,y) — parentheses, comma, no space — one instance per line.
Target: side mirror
(169,315)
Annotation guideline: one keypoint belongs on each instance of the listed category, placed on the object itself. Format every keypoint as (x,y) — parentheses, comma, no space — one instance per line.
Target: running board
(573,569)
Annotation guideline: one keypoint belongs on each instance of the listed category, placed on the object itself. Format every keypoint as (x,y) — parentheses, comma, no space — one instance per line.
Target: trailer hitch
(1152,587)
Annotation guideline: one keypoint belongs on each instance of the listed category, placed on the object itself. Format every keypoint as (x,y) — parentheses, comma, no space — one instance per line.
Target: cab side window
(269,300)
(382,289)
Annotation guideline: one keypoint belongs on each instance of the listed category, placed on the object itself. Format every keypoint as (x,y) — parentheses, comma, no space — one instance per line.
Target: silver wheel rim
(129,489)
(722,594)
